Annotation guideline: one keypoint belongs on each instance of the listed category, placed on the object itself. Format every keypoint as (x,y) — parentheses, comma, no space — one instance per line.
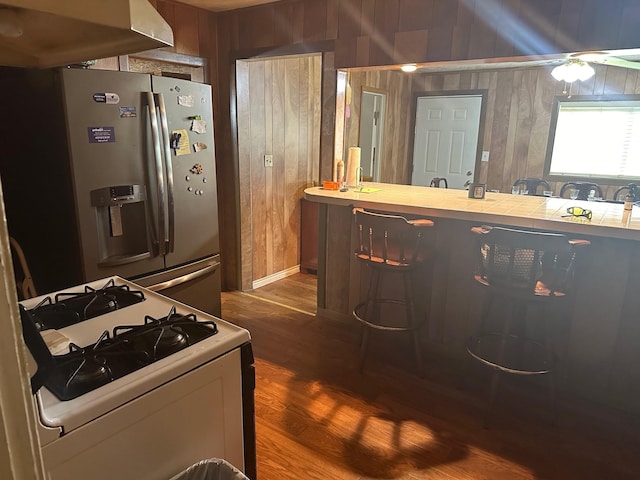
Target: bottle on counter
(340,172)
(628,201)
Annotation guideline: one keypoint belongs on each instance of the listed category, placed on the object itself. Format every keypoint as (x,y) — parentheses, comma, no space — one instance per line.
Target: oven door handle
(157,152)
(164,124)
(184,278)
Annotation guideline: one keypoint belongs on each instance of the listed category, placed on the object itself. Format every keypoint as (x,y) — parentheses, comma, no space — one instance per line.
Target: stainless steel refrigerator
(112,173)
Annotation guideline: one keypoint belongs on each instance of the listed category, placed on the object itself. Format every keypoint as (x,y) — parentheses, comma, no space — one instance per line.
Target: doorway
(372,107)
(278,123)
(446,139)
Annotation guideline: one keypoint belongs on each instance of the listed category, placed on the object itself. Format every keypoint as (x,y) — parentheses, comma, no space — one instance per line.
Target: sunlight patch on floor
(256,297)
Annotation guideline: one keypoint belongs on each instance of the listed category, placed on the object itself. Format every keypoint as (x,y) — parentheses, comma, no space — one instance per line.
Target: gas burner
(75,306)
(128,349)
(92,371)
(164,336)
(85,369)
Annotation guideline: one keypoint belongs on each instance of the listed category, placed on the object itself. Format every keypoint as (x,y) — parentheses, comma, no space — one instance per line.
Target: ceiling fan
(577,66)
(606,58)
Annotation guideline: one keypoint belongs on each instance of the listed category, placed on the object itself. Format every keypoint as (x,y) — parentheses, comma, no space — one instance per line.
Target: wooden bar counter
(599,343)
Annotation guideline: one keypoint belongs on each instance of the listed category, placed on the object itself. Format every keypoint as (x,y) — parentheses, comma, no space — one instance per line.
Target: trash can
(211,469)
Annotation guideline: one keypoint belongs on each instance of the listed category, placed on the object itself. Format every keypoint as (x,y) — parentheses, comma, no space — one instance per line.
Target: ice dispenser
(122,224)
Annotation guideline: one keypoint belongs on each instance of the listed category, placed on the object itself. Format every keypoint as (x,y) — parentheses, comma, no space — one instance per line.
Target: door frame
(245,180)
(448,93)
(379,142)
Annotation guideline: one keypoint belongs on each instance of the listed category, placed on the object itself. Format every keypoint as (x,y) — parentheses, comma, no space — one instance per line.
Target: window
(595,138)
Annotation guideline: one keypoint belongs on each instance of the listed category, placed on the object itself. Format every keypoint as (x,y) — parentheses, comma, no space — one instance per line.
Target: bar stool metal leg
(371,314)
(411,321)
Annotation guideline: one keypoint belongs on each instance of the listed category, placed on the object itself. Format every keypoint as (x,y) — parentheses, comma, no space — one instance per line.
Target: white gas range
(137,385)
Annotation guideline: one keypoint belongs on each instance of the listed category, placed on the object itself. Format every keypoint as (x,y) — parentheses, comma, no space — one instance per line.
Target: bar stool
(583,189)
(632,189)
(24,281)
(389,246)
(527,277)
(436,181)
(531,185)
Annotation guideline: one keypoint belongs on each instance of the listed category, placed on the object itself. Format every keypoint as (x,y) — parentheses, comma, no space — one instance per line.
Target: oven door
(157,435)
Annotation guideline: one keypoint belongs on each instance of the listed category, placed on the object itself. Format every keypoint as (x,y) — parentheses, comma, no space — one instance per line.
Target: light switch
(485,156)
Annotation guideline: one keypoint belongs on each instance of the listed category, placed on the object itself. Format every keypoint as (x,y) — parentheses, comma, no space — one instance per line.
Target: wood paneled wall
(387,32)
(278,114)
(192,28)
(383,32)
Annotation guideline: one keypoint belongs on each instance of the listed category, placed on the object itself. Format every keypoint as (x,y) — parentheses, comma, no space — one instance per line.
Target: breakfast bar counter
(598,344)
(522,211)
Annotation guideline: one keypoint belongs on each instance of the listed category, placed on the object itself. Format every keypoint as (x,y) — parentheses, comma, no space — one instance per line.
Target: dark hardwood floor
(317,417)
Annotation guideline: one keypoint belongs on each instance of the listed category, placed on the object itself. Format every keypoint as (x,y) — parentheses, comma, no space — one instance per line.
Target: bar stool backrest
(583,189)
(24,281)
(532,184)
(436,181)
(621,192)
(520,261)
(390,240)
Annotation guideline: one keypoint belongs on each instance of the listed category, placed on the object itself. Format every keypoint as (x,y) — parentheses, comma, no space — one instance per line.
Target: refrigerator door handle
(157,152)
(184,279)
(169,169)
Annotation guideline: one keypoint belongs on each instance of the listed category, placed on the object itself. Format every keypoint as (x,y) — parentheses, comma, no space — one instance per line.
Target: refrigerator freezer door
(109,144)
(196,284)
(192,165)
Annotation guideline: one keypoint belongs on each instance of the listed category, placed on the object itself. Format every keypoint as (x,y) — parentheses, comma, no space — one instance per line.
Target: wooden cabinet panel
(308,235)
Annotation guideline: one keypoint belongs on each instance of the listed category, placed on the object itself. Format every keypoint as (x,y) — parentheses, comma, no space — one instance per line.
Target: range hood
(48,33)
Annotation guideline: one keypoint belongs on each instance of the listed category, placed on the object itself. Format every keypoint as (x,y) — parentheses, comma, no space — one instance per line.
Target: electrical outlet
(268,160)
(485,156)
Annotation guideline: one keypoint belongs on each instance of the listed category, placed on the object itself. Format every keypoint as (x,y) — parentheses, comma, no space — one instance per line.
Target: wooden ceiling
(223,5)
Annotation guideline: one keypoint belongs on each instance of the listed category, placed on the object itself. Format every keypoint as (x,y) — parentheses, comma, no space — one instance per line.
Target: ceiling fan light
(573,70)
(409,67)
(572,73)
(558,72)
(586,72)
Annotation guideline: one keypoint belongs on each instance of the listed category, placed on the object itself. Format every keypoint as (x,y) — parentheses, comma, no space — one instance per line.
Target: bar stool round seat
(389,246)
(527,276)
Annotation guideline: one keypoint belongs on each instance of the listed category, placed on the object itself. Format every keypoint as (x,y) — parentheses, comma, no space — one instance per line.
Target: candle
(340,172)
(353,167)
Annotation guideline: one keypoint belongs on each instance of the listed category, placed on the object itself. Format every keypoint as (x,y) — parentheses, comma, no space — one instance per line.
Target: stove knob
(204,180)
(190,189)
(187,178)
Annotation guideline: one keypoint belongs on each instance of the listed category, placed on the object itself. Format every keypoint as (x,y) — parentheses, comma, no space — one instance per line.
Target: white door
(371,128)
(446,139)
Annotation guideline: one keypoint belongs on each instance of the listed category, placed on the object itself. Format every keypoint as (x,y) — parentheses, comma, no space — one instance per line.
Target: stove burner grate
(164,336)
(128,349)
(68,308)
(85,369)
